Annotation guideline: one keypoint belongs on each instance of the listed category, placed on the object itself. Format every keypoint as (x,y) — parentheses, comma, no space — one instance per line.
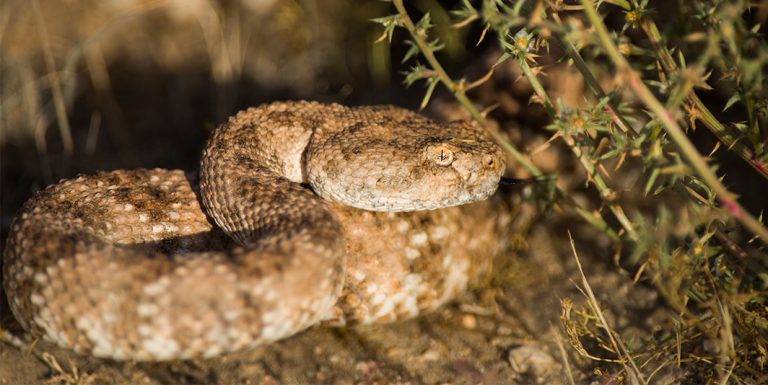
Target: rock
(532,361)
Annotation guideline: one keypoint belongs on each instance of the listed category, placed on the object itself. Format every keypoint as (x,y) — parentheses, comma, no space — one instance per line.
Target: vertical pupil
(442,154)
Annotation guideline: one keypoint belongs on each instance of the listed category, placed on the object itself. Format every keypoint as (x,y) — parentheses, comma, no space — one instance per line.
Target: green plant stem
(727,198)
(559,32)
(589,78)
(592,173)
(703,114)
(538,88)
(459,94)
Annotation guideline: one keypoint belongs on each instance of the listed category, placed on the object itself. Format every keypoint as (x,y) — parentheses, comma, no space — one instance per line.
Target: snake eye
(440,154)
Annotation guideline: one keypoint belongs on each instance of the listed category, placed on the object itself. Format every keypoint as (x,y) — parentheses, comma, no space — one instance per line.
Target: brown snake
(309,203)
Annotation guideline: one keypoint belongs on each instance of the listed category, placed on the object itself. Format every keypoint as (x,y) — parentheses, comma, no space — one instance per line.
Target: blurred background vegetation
(99,85)
(92,85)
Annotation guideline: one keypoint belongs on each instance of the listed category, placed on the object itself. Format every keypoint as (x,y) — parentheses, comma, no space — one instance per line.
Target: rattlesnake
(126,264)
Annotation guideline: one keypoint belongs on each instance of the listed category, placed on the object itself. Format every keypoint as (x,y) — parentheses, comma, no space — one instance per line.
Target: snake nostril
(488,161)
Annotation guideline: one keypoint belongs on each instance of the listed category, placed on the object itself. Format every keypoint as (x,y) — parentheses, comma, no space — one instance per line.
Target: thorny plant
(713,276)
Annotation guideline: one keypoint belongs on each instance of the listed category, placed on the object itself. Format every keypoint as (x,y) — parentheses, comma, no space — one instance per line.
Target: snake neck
(251,175)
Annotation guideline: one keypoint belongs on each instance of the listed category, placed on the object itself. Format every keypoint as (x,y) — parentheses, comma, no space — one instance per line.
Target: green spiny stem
(538,88)
(589,78)
(593,175)
(702,112)
(464,100)
(457,92)
(559,32)
(727,198)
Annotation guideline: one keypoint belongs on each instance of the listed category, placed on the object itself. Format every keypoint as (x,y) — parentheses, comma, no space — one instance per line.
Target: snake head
(413,165)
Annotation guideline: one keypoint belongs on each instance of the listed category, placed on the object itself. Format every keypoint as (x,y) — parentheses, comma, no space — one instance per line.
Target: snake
(302,213)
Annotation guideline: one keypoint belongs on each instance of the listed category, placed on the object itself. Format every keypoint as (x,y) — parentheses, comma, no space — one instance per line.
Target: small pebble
(533,361)
(469,321)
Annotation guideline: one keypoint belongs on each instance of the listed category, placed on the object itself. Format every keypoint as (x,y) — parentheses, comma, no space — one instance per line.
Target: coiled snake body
(127,265)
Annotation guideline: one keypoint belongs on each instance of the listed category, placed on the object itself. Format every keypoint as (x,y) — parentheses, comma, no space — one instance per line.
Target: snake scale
(303,213)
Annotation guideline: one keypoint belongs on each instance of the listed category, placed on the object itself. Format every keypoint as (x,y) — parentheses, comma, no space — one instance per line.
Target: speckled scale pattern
(144,265)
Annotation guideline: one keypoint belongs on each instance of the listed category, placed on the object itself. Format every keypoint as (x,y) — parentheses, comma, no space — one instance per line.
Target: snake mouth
(476,187)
